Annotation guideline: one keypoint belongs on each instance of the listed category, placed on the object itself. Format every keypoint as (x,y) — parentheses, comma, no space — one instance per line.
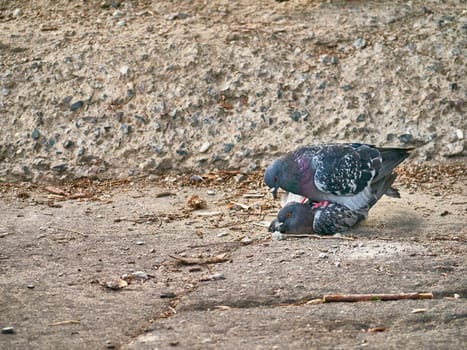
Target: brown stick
(201,261)
(64,323)
(375,297)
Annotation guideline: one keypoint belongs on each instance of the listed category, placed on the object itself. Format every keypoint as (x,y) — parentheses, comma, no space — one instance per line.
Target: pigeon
(298,217)
(345,174)
(301,218)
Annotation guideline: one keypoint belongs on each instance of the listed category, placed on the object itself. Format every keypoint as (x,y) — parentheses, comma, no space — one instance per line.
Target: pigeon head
(282,173)
(273,176)
(295,218)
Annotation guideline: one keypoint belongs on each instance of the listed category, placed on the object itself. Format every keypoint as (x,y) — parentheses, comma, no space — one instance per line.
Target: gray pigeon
(299,218)
(345,174)
(307,218)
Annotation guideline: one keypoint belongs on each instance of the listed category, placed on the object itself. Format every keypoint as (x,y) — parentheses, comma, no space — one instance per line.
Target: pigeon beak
(274,192)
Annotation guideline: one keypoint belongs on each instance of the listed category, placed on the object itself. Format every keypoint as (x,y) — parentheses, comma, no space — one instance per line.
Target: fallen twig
(55,190)
(374,297)
(68,230)
(201,261)
(61,323)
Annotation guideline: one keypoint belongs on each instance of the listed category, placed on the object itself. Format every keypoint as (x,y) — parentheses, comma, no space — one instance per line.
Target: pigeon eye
(288,215)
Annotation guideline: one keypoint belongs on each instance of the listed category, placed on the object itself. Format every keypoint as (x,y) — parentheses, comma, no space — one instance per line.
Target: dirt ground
(158,101)
(212,278)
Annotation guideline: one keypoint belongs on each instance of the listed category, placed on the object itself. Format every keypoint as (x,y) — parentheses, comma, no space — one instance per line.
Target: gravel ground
(109,89)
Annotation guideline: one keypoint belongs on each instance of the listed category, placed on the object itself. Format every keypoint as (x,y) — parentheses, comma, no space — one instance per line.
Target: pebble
(124,70)
(175,16)
(277,236)
(126,129)
(323,255)
(35,134)
(359,44)
(406,138)
(216,277)
(140,275)
(140,243)
(140,119)
(59,167)
(17,12)
(227,147)
(118,13)
(204,147)
(239,178)
(326,59)
(30,286)
(295,116)
(109,344)
(361,118)
(76,105)
(8,330)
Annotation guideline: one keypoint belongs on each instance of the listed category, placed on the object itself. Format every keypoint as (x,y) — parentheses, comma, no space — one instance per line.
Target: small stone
(8,330)
(121,23)
(118,13)
(58,168)
(277,236)
(361,118)
(204,147)
(118,116)
(227,147)
(295,116)
(333,60)
(454,86)
(239,178)
(326,59)
(109,344)
(140,119)
(453,149)
(67,143)
(216,277)
(140,275)
(17,12)
(346,87)
(406,138)
(175,16)
(181,152)
(459,134)
(30,286)
(359,44)
(196,178)
(76,105)
(140,243)
(124,70)
(35,134)
(323,255)
(126,129)
(167,295)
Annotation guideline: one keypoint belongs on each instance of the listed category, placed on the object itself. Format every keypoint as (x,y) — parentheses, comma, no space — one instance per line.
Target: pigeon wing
(337,218)
(345,170)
